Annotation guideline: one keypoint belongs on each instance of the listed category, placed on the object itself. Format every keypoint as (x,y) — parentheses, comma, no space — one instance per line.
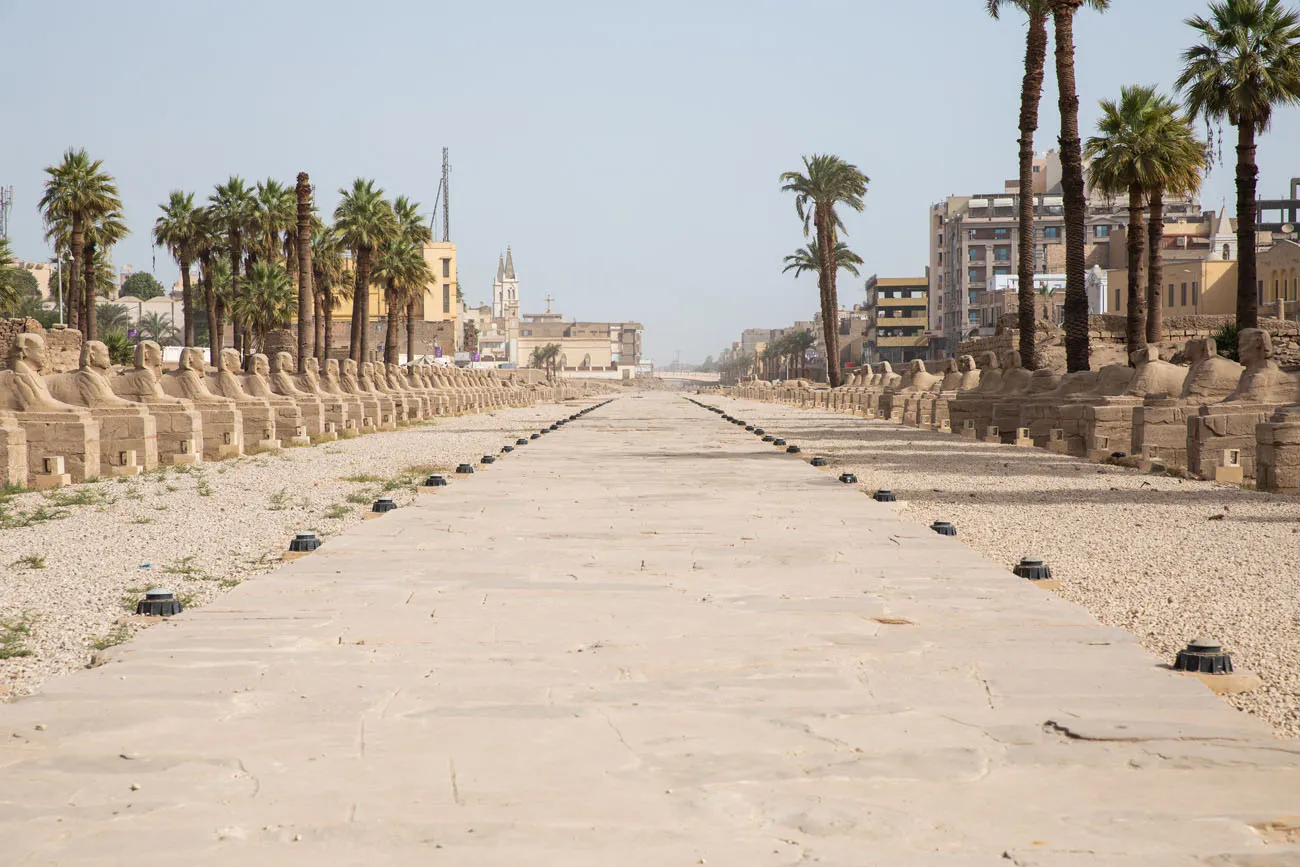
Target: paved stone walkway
(647,639)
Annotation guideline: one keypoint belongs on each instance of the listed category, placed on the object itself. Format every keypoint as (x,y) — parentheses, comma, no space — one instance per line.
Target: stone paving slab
(647,639)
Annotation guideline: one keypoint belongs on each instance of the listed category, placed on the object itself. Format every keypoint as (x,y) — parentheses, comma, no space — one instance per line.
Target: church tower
(505,289)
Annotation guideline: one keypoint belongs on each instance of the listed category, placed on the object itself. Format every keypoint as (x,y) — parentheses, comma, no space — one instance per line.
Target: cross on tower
(548,299)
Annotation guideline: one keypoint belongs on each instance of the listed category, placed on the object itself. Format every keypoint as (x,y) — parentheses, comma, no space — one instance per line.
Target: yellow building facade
(1210,287)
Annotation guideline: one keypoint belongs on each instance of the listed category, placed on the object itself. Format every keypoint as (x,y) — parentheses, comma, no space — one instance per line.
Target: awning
(978,203)
(1004,203)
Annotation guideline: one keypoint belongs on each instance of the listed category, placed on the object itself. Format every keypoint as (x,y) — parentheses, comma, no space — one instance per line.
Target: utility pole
(443,198)
(6,205)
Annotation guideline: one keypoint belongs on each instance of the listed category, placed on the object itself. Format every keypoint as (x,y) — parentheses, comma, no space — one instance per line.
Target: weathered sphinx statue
(256,413)
(289,423)
(1221,436)
(223,424)
(128,433)
(1160,423)
(359,413)
(1107,422)
(283,381)
(378,412)
(390,410)
(178,422)
(51,429)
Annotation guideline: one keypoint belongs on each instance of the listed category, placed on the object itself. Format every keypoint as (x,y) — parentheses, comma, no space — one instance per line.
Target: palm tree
(365,219)
(99,280)
(402,270)
(809,259)
(207,243)
(302,251)
(113,317)
(268,298)
(1180,159)
(275,212)
(798,342)
(77,192)
(1122,161)
(329,279)
(1076,205)
(1031,92)
(829,181)
(1247,62)
(9,295)
(158,327)
(414,229)
(546,357)
(233,212)
(178,229)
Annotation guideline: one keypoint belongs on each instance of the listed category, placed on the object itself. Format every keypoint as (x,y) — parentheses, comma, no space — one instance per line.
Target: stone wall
(62,345)
(1108,329)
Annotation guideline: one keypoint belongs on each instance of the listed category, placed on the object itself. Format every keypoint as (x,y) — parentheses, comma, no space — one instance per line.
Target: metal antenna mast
(6,205)
(446,195)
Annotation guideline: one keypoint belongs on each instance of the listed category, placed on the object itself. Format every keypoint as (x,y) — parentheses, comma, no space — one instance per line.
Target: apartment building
(897,311)
(974,239)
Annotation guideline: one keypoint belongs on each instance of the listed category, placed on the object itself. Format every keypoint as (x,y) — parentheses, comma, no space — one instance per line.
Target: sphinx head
(148,354)
(312,365)
(282,363)
(230,359)
(1145,355)
(1254,347)
(29,349)
(94,356)
(258,364)
(192,359)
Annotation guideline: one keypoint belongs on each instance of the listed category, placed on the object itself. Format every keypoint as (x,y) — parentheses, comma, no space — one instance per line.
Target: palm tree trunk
(78,245)
(89,314)
(826,282)
(187,301)
(1031,92)
(1247,176)
(218,335)
(360,289)
(1134,320)
(210,304)
(327,326)
(306,297)
(390,326)
(1076,291)
(1155,267)
(410,330)
(318,325)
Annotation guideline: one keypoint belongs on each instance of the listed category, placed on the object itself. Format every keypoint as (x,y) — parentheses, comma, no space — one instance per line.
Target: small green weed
(364,478)
(31,561)
(203,488)
(338,511)
(279,500)
(121,634)
(13,637)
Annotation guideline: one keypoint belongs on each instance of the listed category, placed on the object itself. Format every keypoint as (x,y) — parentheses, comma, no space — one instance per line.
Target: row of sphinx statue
(1213,417)
(57,428)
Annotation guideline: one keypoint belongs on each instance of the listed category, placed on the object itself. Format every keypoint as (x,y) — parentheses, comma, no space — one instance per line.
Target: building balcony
(902,342)
(918,321)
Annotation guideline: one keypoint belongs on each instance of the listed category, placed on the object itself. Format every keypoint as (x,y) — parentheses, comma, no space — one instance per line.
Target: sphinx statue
(902,403)
(1221,441)
(255,382)
(128,433)
(971,410)
(362,413)
(392,410)
(1160,423)
(374,376)
(379,412)
(255,412)
(223,423)
(178,422)
(285,382)
(52,429)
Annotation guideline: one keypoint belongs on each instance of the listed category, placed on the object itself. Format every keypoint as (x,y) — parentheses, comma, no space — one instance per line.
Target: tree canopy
(142,285)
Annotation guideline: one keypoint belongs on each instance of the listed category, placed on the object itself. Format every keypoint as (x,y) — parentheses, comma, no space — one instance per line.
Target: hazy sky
(628,152)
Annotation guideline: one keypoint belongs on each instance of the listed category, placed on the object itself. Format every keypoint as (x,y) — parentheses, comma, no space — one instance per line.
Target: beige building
(584,346)
(897,310)
(1209,286)
(974,239)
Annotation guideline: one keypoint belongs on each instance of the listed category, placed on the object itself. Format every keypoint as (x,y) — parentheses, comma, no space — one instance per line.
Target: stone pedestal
(1160,431)
(1221,440)
(180,434)
(1108,427)
(72,436)
(1277,451)
(129,431)
(13,453)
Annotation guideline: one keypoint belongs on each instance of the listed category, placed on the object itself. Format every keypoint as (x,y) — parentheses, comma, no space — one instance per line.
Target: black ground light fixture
(1203,656)
(818,462)
(436,481)
(1033,569)
(464,469)
(304,542)
(383,504)
(159,603)
(944,528)
(884,495)
(487,459)
(848,478)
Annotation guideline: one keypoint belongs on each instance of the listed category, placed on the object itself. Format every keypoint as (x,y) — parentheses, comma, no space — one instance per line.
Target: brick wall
(62,345)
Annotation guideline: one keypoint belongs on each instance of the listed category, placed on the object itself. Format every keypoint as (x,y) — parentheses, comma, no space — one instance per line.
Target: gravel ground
(1167,559)
(73,574)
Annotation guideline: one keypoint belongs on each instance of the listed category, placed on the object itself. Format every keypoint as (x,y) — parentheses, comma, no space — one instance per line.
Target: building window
(1001,272)
(1052,233)
(975,254)
(970,234)
(1261,292)
(1117,298)
(446,269)
(1196,293)
(976,275)
(1001,254)
(1002,233)
(1101,231)
(1183,296)
(1170,300)
(446,297)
